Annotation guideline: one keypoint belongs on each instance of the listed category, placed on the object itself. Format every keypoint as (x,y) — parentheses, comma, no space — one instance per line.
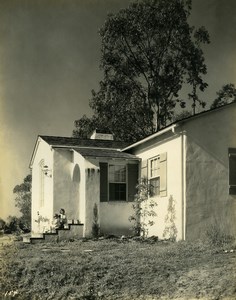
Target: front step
(73,230)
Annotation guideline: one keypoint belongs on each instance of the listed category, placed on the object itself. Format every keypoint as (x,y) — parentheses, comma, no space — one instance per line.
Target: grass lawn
(116,269)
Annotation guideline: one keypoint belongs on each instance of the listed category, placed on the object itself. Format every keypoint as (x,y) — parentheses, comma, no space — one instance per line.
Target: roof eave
(34,152)
(150,137)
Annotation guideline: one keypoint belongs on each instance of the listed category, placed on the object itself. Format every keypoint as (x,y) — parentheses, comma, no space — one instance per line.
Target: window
(157,175)
(232,171)
(154,176)
(117,182)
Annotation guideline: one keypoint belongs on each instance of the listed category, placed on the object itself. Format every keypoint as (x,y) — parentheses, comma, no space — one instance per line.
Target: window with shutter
(158,175)
(232,171)
(118,180)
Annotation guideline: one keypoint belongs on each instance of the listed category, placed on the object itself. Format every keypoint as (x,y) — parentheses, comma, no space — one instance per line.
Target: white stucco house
(191,166)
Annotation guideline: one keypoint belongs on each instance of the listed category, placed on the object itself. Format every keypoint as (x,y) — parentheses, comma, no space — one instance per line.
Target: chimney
(99,135)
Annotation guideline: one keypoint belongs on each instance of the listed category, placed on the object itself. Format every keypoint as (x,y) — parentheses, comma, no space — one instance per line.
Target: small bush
(95,226)
(216,235)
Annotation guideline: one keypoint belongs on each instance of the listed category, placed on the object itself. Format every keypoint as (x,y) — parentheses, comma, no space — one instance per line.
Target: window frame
(118,182)
(153,174)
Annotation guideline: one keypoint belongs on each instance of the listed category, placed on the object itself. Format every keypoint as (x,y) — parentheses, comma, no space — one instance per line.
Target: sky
(49,63)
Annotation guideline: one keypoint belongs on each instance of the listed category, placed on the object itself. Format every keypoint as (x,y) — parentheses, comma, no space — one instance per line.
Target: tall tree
(226,95)
(23,199)
(127,120)
(150,50)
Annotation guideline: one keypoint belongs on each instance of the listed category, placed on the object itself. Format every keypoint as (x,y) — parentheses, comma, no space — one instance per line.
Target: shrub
(143,207)
(216,234)
(95,226)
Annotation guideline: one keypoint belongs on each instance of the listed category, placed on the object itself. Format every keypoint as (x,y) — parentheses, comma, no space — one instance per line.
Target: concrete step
(26,240)
(70,231)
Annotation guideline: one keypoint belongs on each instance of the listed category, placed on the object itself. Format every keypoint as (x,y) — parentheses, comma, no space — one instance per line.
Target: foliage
(95,226)
(2,224)
(125,114)
(226,95)
(143,209)
(149,52)
(16,225)
(23,199)
(170,230)
(217,234)
(182,115)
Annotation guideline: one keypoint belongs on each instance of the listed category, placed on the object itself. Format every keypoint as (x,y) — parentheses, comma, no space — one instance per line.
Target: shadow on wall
(74,199)
(76,174)
(170,231)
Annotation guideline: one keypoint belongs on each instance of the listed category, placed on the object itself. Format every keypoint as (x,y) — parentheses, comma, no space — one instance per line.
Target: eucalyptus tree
(225,95)
(23,199)
(148,53)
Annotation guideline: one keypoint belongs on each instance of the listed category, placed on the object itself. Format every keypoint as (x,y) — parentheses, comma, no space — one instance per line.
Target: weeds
(112,270)
(216,235)
(95,226)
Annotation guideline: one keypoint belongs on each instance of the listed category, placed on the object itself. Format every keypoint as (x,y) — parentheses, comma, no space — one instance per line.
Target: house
(190,165)
(78,174)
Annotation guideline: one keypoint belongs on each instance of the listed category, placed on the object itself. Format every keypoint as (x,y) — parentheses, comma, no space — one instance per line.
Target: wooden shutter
(144,168)
(103,182)
(132,181)
(163,174)
(232,171)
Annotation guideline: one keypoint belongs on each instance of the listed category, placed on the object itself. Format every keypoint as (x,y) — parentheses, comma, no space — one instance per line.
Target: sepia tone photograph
(118,149)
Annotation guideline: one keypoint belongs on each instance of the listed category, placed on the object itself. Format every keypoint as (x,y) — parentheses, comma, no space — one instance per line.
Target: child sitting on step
(62,218)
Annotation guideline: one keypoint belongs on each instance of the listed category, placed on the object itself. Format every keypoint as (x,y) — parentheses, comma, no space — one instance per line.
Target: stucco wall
(78,185)
(44,153)
(172,145)
(92,193)
(115,217)
(68,179)
(207,194)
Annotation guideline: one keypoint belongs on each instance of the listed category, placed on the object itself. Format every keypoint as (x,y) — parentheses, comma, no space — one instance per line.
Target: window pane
(117,192)
(112,173)
(155,187)
(117,173)
(154,167)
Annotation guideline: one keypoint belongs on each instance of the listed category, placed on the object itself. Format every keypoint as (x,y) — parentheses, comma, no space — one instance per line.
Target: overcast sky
(49,62)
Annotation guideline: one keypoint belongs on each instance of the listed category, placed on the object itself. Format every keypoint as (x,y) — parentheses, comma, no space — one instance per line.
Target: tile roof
(76,142)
